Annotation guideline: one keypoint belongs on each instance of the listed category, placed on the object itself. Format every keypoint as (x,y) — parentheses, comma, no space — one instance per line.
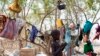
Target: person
(85,47)
(57,48)
(71,35)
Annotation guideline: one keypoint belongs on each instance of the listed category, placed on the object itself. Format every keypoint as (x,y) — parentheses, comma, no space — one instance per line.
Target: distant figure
(85,47)
(57,48)
(71,35)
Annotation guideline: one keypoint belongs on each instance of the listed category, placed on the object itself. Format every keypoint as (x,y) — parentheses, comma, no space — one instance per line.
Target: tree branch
(96,14)
(82,11)
(30,5)
(97,20)
(45,17)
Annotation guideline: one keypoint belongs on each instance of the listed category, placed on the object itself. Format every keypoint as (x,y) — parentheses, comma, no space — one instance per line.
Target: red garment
(89,54)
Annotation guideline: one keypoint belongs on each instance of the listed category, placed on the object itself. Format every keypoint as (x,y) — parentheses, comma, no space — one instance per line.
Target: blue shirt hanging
(33,34)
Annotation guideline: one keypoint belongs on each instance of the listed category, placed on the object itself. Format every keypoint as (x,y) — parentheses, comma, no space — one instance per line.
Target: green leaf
(90,3)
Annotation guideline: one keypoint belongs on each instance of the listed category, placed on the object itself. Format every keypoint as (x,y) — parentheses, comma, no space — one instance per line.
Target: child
(57,48)
(85,46)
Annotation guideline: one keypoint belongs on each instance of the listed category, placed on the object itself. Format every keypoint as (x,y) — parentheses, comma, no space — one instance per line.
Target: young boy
(57,48)
(85,46)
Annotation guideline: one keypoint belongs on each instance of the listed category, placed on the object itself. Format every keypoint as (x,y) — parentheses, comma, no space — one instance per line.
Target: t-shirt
(88,47)
(74,34)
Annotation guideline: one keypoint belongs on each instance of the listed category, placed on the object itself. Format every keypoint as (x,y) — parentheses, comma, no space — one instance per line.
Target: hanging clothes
(11,28)
(98,29)
(33,33)
(15,7)
(97,32)
(87,27)
(61,5)
(59,23)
